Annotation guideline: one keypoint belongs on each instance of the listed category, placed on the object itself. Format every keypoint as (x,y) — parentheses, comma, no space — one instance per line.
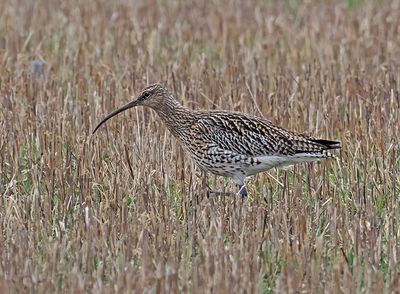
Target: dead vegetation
(124,210)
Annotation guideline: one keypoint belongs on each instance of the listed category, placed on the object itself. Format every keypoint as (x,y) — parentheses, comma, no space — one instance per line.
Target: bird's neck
(176,117)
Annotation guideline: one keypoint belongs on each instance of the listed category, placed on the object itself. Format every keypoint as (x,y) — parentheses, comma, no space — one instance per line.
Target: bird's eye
(145,95)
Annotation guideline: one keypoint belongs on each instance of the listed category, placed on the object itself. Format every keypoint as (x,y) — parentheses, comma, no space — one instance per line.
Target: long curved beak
(115,112)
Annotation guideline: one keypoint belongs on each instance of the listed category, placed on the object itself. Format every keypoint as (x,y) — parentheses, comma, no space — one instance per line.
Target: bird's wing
(253,136)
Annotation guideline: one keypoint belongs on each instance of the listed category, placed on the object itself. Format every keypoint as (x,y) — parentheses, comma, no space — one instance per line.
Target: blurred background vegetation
(124,210)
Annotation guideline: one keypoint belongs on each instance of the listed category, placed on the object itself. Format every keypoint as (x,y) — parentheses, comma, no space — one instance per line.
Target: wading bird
(227,143)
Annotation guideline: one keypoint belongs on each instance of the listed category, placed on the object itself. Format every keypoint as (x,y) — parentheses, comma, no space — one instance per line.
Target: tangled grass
(124,210)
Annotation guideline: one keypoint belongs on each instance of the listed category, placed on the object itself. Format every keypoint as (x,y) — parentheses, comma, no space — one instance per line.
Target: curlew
(226,143)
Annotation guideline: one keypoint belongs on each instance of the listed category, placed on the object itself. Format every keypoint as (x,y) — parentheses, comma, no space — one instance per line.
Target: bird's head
(152,96)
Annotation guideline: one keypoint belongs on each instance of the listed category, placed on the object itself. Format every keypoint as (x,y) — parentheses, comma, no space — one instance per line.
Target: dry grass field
(124,211)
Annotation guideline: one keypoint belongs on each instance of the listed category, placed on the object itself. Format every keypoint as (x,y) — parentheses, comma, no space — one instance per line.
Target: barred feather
(230,143)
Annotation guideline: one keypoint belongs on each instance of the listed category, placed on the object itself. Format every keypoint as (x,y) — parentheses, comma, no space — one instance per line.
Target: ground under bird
(227,143)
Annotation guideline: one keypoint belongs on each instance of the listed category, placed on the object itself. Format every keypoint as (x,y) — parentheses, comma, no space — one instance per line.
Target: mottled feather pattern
(230,143)
(252,136)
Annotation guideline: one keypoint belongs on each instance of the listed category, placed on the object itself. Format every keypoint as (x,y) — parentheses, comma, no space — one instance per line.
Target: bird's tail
(328,144)
(316,148)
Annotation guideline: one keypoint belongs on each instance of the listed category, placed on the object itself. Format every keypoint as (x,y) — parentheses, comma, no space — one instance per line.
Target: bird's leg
(242,190)
(209,192)
(204,184)
(239,179)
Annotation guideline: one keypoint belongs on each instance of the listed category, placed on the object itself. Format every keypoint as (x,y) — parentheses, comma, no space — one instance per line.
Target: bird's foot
(243,191)
(220,193)
(209,192)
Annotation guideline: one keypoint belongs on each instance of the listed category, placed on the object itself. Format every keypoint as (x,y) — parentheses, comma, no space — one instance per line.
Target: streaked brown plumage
(229,143)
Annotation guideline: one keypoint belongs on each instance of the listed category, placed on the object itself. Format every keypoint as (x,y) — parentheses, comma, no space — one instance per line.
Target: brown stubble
(125,210)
